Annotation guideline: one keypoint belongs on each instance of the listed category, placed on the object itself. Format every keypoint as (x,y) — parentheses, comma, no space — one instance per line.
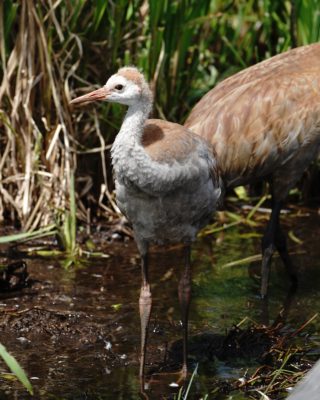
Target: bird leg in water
(268,246)
(281,245)
(273,239)
(184,290)
(145,303)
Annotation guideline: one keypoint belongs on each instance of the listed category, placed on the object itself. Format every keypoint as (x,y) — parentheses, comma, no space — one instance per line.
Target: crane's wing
(259,117)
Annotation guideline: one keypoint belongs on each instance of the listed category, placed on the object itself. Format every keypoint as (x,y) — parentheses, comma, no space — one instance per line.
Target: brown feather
(166,141)
(259,117)
(132,74)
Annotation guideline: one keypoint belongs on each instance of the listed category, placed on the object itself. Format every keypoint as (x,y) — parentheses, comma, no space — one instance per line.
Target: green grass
(15,368)
(51,54)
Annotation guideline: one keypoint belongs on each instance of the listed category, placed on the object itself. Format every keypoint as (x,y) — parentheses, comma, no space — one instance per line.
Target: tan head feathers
(132,74)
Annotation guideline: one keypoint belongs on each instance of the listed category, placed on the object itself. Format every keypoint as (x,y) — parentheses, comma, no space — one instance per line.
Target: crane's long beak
(99,94)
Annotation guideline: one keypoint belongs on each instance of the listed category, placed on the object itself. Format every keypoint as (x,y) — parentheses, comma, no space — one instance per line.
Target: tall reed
(52,50)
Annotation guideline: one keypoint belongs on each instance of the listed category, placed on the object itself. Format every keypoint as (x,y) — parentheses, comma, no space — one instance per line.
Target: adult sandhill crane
(167,184)
(264,123)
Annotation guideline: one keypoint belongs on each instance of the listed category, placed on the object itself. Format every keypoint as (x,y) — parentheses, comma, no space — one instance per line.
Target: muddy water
(76,331)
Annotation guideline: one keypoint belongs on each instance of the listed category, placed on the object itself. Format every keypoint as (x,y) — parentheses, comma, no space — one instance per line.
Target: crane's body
(264,120)
(165,180)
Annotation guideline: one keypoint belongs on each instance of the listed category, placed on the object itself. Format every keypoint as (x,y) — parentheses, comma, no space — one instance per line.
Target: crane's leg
(273,239)
(268,246)
(281,245)
(145,304)
(184,290)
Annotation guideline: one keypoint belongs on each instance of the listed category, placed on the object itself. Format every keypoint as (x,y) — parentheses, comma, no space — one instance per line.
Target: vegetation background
(53,50)
(54,160)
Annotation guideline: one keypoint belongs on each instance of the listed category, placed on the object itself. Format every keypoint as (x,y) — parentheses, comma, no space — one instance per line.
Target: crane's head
(128,86)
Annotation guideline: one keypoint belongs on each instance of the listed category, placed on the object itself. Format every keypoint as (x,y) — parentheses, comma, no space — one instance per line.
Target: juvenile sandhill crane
(167,184)
(264,123)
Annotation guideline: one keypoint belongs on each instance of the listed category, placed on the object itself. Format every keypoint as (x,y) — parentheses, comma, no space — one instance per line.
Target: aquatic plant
(15,368)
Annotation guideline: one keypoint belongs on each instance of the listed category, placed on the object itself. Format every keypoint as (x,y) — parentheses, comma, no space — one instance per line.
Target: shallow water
(76,332)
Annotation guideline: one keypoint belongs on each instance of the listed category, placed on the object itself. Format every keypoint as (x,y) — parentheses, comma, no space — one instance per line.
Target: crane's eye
(118,87)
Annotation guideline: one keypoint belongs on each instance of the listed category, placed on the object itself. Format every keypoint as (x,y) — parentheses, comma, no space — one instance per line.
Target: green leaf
(47,231)
(15,367)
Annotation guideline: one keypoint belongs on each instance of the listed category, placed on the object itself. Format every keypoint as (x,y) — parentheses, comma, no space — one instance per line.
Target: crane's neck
(127,146)
(135,118)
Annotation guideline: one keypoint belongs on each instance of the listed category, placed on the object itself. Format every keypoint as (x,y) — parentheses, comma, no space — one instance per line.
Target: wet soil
(76,331)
